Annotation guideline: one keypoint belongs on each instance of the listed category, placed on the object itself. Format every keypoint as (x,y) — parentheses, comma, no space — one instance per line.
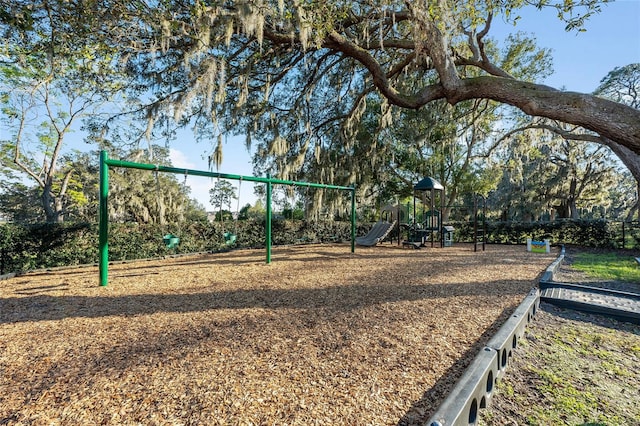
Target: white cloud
(178,159)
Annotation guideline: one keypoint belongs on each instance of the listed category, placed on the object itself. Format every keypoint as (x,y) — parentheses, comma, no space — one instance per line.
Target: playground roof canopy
(428,183)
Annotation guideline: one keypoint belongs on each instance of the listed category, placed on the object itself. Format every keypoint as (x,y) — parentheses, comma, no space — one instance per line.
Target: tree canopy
(310,82)
(245,61)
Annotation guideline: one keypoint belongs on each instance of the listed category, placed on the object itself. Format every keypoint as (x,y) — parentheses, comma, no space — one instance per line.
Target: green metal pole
(103,217)
(268,220)
(353,219)
(105,163)
(192,172)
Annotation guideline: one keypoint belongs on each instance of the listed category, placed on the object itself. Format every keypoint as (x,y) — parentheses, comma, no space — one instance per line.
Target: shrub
(26,247)
(586,233)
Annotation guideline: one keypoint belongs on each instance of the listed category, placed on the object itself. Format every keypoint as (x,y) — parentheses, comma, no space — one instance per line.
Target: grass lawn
(608,266)
(572,367)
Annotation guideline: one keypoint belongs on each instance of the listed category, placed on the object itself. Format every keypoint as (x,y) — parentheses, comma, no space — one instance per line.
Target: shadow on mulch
(338,298)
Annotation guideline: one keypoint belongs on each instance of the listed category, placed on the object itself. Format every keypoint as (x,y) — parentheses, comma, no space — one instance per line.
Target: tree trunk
(573,209)
(52,214)
(571,200)
(632,212)
(562,209)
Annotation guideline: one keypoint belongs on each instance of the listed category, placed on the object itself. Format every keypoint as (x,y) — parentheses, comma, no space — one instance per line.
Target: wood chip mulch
(318,337)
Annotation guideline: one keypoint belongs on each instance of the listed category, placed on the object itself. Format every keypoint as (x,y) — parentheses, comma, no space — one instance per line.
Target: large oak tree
(256,66)
(239,49)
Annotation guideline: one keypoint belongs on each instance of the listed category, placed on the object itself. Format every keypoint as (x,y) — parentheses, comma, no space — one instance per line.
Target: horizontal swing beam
(105,163)
(191,172)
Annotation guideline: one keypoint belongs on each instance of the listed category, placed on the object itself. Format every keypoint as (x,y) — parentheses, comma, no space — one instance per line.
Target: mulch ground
(320,336)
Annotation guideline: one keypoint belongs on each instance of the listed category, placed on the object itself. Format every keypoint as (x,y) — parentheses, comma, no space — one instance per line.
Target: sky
(581,60)
(236,160)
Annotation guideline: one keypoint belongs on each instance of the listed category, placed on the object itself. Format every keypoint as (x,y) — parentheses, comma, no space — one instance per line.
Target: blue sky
(581,60)
(236,160)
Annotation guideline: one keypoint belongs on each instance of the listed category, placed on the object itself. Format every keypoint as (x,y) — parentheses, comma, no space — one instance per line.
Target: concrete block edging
(475,388)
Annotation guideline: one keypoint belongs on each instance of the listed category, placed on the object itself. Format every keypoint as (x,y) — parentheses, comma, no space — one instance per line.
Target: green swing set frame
(103,213)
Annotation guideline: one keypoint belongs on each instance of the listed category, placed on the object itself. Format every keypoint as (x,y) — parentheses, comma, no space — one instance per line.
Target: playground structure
(171,240)
(378,233)
(429,228)
(422,228)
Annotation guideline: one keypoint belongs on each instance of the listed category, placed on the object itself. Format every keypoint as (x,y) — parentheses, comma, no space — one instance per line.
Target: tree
(40,123)
(18,203)
(241,60)
(143,197)
(48,83)
(240,52)
(447,142)
(255,212)
(222,194)
(450,144)
(298,77)
(622,197)
(623,85)
(547,174)
(527,182)
(585,173)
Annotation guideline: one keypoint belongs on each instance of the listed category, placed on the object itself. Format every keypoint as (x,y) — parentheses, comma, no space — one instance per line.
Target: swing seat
(229,238)
(171,241)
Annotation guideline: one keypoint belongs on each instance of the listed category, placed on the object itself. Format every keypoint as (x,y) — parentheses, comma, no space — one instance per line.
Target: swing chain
(158,194)
(235,228)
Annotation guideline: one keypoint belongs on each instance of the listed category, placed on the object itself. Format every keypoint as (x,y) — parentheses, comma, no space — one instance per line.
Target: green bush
(31,247)
(586,233)
(45,245)
(27,247)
